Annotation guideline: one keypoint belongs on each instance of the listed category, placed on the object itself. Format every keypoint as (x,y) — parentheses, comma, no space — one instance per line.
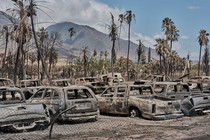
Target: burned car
(61,82)
(85,80)
(196,105)
(192,103)
(17,115)
(153,78)
(58,99)
(174,90)
(138,101)
(98,87)
(6,82)
(30,86)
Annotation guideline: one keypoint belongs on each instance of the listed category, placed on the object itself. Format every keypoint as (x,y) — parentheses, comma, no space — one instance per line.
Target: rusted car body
(98,87)
(17,115)
(61,82)
(199,87)
(58,99)
(85,80)
(30,86)
(153,78)
(196,105)
(173,90)
(192,102)
(6,82)
(136,101)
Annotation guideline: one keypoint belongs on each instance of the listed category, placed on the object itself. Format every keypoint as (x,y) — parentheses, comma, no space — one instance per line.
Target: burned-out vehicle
(61,82)
(196,105)
(192,103)
(58,99)
(98,87)
(85,80)
(6,82)
(174,90)
(153,78)
(30,86)
(199,87)
(138,101)
(17,115)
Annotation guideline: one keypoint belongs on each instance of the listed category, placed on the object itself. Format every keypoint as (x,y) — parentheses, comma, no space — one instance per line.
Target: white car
(58,99)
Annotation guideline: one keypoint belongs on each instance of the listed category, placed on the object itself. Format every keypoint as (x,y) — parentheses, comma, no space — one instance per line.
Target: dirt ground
(126,128)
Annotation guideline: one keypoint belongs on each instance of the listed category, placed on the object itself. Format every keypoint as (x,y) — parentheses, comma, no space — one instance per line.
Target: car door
(117,105)
(37,97)
(47,95)
(105,100)
(56,101)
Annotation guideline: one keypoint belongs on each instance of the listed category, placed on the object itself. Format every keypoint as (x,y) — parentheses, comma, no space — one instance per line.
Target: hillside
(87,36)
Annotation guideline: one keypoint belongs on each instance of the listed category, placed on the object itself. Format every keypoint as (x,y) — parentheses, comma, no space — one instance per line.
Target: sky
(189,16)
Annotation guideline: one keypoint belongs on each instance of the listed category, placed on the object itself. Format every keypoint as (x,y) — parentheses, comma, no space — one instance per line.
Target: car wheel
(134,113)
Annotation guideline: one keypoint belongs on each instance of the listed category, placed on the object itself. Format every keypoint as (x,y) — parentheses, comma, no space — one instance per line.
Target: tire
(134,113)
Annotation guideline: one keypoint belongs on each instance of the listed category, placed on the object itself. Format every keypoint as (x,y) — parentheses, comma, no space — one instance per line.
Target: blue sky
(189,17)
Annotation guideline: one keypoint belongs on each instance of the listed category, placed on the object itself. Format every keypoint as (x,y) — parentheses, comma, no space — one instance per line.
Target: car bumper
(163,116)
(80,116)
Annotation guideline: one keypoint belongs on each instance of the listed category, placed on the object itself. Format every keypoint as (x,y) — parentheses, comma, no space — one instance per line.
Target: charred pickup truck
(138,101)
(17,115)
(174,90)
(192,103)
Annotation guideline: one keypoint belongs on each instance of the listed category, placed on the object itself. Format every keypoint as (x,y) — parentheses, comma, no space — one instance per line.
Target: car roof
(10,88)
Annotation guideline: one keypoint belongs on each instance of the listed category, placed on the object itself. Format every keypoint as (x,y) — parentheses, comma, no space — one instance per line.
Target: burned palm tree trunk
(31,13)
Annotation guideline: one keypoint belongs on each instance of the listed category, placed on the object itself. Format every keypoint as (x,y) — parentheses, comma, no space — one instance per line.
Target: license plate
(83,105)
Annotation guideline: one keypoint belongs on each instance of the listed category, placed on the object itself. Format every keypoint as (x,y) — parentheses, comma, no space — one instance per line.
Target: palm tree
(85,54)
(206,61)
(113,35)
(53,58)
(162,48)
(31,12)
(23,36)
(121,19)
(42,35)
(139,54)
(171,33)
(128,17)
(203,41)
(32,58)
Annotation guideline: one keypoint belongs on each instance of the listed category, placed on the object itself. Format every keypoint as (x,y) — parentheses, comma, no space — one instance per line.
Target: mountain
(94,39)
(85,36)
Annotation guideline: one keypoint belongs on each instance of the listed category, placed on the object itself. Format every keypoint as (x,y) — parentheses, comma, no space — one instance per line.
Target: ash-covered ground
(126,128)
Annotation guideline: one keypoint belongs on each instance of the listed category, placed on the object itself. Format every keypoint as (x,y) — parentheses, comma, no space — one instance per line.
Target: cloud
(193,7)
(87,12)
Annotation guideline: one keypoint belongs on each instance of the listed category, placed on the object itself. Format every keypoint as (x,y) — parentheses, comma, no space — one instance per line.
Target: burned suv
(58,99)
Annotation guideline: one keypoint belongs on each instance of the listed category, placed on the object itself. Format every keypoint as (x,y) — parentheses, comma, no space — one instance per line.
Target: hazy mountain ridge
(85,36)
(88,36)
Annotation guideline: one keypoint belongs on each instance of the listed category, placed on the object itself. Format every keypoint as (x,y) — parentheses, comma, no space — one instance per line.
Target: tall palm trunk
(160,64)
(199,62)
(17,61)
(128,51)
(170,60)
(112,57)
(35,39)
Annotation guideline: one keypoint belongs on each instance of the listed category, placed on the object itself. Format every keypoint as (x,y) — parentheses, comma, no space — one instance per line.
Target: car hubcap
(133,113)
